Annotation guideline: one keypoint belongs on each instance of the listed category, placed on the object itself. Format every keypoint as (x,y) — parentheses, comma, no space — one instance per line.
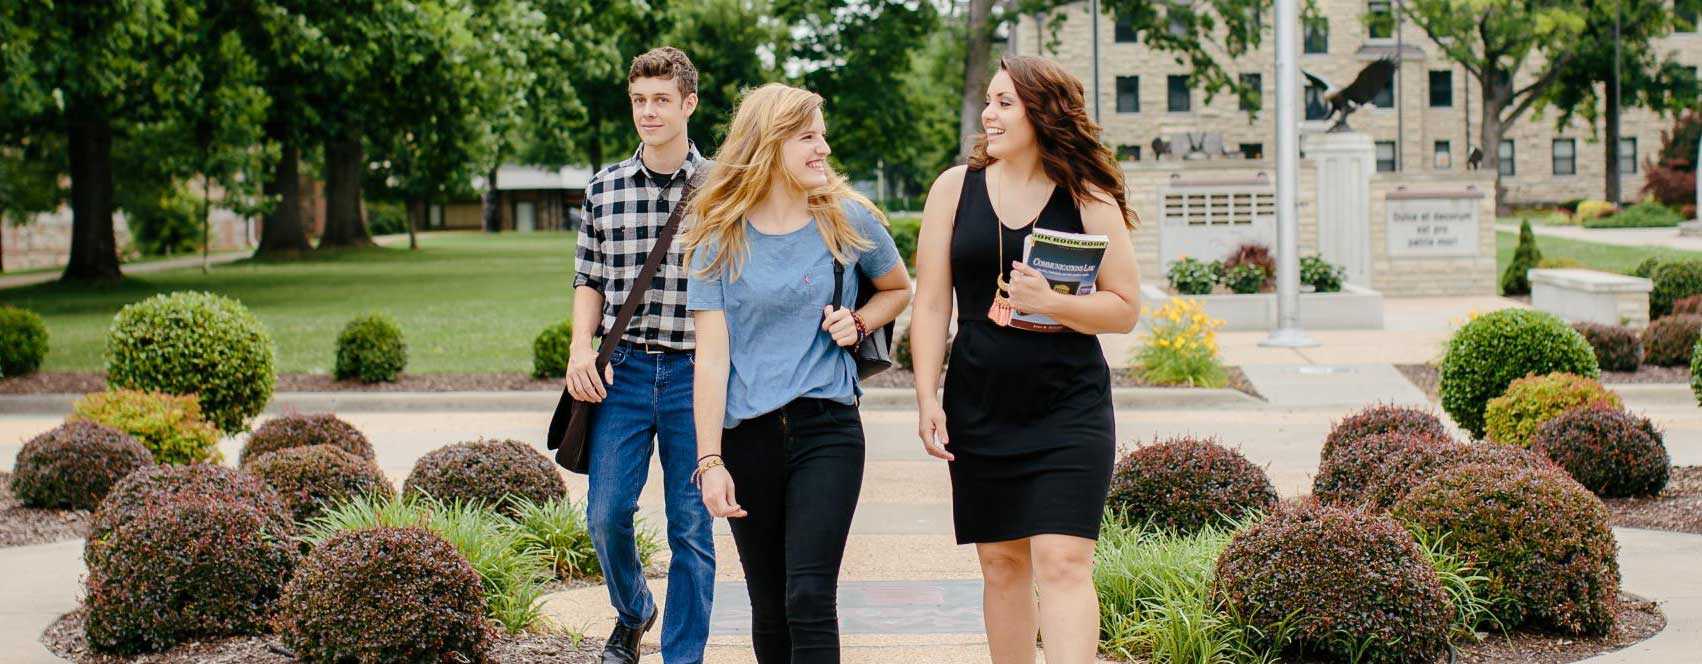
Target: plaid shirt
(624,213)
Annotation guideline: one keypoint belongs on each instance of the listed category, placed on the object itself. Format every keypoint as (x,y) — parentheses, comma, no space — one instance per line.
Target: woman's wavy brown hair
(1070,151)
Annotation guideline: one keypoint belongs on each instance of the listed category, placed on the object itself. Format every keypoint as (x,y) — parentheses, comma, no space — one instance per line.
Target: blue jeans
(652,398)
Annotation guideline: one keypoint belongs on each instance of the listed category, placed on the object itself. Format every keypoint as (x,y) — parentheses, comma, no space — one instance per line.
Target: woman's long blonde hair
(747,161)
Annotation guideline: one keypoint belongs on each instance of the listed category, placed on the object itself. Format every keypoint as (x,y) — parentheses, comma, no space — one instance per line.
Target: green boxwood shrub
(297,430)
(1408,466)
(150,486)
(491,472)
(1184,484)
(1613,453)
(194,343)
(551,349)
(23,341)
(1647,214)
(432,606)
(1497,348)
(1667,342)
(1346,476)
(189,569)
(1673,280)
(1646,268)
(906,230)
(74,465)
(1513,417)
(1383,418)
(1516,280)
(370,349)
(311,479)
(170,427)
(1617,348)
(1541,538)
(1349,585)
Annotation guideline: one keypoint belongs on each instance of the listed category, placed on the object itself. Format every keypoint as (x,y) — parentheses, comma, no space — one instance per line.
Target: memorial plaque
(1433,226)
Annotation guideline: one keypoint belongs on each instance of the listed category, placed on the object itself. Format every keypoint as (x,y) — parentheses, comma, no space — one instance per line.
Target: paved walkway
(1625,237)
(220,258)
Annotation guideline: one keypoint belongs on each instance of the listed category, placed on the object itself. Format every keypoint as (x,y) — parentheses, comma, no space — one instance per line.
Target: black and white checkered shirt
(624,213)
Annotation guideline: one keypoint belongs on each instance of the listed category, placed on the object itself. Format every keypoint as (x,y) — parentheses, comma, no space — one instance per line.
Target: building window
(1181,98)
(1317,36)
(1627,156)
(1125,31)
(1316,109)
(1385,97)
(1444,156)
(1177,19)
(1128,94)
(1252,150)
(1380,20)
(1684,15)
(1565,156)
(1128,153)
(1505,154)
(1385,156)
(1442,89)
(1255,91)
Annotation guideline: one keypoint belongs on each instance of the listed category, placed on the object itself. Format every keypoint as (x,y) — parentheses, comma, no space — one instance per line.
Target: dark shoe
(622,647)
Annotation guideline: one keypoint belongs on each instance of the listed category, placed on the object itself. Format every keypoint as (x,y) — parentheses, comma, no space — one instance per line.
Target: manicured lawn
(1612,258)
(467,302)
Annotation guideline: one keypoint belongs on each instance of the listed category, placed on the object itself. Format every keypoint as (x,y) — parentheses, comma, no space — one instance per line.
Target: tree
(1515,49)
(90,71)
(291,52)
(720,37)
(610,37)
(859,56)
(538,124)
(1647,79)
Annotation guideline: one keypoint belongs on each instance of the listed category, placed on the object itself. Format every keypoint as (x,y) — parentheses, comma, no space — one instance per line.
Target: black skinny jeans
(796,472)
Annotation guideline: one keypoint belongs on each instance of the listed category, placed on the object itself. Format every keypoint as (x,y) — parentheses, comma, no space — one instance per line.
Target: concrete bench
(1588,295)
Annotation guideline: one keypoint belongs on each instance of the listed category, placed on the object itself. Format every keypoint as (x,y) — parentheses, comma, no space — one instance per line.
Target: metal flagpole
(1093,10)
(1288,333)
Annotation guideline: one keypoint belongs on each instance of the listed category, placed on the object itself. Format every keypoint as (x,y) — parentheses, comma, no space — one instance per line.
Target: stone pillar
(1345,162)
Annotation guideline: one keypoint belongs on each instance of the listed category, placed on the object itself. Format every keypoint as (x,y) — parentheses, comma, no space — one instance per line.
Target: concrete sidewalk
(40,583)
(1624,237)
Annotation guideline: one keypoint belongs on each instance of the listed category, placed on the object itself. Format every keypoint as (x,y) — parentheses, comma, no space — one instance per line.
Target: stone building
(1426,123)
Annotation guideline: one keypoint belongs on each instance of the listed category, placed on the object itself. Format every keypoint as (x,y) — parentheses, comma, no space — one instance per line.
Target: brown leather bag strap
(653,262)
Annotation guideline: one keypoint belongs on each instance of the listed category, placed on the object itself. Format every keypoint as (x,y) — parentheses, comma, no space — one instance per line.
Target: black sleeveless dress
(1028,414)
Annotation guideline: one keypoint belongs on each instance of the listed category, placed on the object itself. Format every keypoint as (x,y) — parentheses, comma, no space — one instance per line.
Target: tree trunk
(976,74)
(344,226)
(1611,190)
(1495,99)
(94,250)
(206,218)
(283,233)
(416,218)
(492,223)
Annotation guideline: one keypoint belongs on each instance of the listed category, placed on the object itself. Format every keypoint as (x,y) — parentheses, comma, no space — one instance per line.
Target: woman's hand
(1031,293)
(718,493)
(932,430)
(838,324)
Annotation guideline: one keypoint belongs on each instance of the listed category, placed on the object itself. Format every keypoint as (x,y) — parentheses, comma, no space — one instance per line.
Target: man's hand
(582,380)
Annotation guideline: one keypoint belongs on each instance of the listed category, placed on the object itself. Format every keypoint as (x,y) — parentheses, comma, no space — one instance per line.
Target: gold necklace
(1001,311)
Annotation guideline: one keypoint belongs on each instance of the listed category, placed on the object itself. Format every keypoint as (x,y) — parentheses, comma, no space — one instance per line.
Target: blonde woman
(776,390)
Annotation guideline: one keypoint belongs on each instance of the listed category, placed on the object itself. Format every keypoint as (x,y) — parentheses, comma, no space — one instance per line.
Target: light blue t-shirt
(777,348)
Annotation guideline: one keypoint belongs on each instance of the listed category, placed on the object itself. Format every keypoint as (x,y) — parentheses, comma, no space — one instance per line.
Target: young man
(646,391)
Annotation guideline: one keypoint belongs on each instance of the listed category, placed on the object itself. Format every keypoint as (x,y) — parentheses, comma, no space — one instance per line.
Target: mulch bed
(23,526)
(1635,620)
(1677,508)
(65,639)
(81,382)
(903,378)
(1426,376)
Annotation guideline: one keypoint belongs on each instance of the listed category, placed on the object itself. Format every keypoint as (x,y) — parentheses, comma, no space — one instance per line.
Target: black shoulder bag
(569,433)
(874,353)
